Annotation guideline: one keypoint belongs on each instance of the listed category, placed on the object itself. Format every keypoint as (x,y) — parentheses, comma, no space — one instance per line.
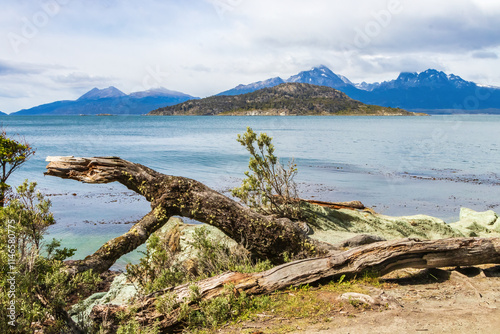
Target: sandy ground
(423,301)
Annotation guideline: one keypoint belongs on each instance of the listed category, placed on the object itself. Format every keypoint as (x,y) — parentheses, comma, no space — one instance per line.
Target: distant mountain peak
(159,92)
(321,76)
(96,93)
(111,101)
(321,68)
(407,76)
(367,86)
(243,89)
(430,77)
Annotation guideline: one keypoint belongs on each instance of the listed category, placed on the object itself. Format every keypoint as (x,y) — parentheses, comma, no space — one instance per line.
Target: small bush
(215,256)
(217,311)
(268,187)
(42,285)
(158,268)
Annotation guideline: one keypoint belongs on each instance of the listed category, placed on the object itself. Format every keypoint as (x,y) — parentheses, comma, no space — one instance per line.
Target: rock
(336,225)
(477,224)
(120,292)
(383,300)
(357,298)
(485,218)
(303,227)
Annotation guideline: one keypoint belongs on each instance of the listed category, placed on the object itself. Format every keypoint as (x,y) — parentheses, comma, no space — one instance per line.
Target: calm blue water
(397,165)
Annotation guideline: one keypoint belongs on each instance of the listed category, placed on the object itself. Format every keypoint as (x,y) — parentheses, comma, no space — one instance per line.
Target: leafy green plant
(158,268)
(39,285)
(217,311)
(13,153)
(268,187)
(166,303)
(214,256)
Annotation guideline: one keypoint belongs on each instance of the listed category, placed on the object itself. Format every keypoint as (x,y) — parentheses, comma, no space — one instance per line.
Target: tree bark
(266,237)
(379,258)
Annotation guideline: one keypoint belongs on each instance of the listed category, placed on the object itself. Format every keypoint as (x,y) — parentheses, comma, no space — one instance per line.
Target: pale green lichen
(335,225)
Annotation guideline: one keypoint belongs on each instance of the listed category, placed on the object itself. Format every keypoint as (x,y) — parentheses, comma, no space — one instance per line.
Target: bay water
(396,165)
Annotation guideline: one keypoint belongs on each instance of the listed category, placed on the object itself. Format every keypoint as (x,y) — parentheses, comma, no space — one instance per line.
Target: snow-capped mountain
(157,92)
(111,101)
(431,90)
(367,86)
(321,76)
(243,89)
(96,93)
(428,78)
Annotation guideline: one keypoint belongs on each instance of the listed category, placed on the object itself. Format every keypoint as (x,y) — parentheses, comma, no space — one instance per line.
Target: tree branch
(112,250)
(264,236)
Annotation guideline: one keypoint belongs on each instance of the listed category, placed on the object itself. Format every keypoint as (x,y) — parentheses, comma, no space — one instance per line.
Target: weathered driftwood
(264,236)
(379,258)
(353,205)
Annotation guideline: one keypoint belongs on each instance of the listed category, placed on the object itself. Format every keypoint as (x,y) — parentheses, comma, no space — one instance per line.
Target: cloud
(485,55)
(8,68)
(81,80)
(382,68)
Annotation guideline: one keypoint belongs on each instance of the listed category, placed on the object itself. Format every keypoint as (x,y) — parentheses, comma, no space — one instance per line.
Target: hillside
(284,99)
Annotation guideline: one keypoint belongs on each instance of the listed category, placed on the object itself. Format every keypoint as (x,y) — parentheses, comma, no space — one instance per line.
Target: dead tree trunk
(264,236)
(380,258)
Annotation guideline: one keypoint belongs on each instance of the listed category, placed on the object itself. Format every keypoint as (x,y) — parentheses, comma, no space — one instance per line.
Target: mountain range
(110,101)
(430,91)
(293,98)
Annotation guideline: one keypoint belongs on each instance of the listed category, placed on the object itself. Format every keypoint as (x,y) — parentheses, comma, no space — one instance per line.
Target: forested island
(287,99)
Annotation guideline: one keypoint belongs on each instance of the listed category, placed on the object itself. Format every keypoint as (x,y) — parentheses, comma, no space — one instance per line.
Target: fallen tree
(378,258)
(264,236)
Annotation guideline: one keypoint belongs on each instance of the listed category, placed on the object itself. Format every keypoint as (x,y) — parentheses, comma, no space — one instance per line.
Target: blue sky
(59,49)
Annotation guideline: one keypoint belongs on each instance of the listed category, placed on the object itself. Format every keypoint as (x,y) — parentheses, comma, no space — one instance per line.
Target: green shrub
(215,256)
(268,187)
(40,288)
(158,268)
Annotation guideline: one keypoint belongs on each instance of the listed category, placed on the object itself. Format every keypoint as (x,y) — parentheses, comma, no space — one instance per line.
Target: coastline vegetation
(13,154)
(36,281)
(36,288)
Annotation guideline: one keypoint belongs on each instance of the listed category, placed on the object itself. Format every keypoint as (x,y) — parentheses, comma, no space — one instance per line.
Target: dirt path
(424,301)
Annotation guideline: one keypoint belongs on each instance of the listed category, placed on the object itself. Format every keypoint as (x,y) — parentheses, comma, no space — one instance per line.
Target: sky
(59,49)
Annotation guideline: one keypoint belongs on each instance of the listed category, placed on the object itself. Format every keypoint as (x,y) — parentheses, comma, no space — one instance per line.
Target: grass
(294,308)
